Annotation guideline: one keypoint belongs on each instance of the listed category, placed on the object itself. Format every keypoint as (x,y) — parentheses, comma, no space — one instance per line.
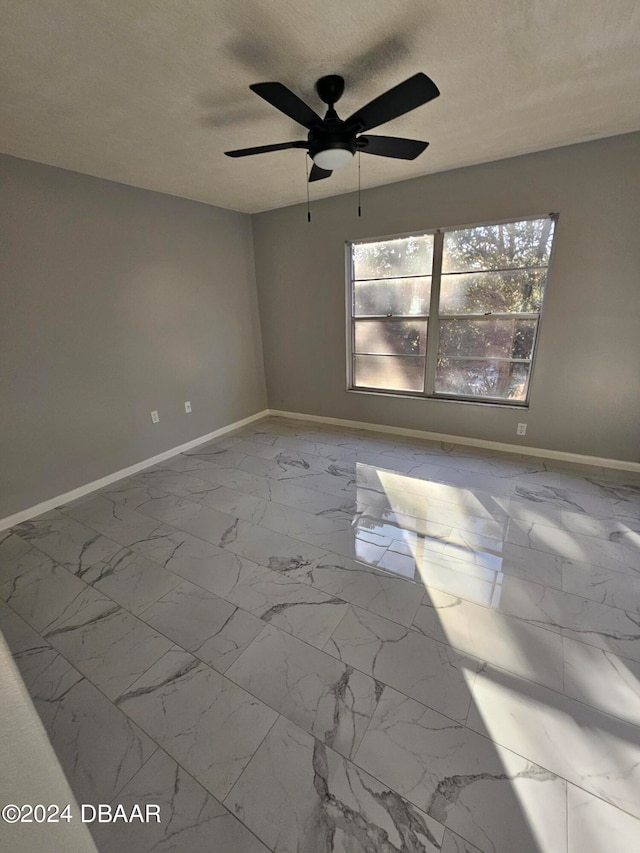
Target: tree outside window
(477,292)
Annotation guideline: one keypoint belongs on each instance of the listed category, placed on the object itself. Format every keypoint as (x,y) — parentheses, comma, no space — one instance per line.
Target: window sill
(483,403)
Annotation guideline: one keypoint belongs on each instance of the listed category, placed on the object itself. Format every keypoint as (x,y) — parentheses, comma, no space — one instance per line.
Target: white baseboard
(600,461)
(81,491)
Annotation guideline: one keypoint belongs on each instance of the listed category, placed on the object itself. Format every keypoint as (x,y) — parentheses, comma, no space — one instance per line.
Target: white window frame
(434,317)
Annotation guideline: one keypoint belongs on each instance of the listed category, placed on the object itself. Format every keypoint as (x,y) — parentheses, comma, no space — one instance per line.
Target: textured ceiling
(151,92)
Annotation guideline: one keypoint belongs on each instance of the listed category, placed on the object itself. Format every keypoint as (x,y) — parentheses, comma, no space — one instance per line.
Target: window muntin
(483,287)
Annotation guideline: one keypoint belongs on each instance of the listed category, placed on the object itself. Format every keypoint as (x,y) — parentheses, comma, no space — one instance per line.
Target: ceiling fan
(332,142)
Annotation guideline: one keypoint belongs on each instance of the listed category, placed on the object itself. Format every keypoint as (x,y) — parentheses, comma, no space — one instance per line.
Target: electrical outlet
(522,429)
(187,406)
(155,417)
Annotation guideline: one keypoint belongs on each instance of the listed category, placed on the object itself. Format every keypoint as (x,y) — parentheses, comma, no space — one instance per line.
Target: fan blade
(263,149)
(318,174)
(403,98)
(392,146)
(284,100)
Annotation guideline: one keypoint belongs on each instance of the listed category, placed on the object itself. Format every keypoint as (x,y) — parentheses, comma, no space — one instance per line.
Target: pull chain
(306,164)
(359,208)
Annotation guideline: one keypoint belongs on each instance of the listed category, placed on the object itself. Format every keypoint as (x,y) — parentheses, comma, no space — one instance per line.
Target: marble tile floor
(303,638)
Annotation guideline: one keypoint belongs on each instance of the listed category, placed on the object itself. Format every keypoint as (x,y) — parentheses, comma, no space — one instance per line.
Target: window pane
(390,258)
(519,291)
(393,373)
(482,378)
(503,338)
(391,337)
(397,296)
(513,244)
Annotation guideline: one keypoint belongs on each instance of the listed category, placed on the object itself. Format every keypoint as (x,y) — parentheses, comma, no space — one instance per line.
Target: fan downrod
(330,88)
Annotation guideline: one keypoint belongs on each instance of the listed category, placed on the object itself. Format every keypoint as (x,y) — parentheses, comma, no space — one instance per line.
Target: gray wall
(585,395)
(115,301)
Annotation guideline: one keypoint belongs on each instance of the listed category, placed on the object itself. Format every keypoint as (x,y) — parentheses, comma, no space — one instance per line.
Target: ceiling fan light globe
(333,158)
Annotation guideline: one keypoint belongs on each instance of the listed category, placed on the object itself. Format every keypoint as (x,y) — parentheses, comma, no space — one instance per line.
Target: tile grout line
(376,569)
(329,458)
(369,566)
(456,722)
(567,781)
(405,627)
(519,499)
(193,778)
(352,760)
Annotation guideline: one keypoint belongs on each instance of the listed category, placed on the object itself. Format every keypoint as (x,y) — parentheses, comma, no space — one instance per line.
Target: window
(452,314)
